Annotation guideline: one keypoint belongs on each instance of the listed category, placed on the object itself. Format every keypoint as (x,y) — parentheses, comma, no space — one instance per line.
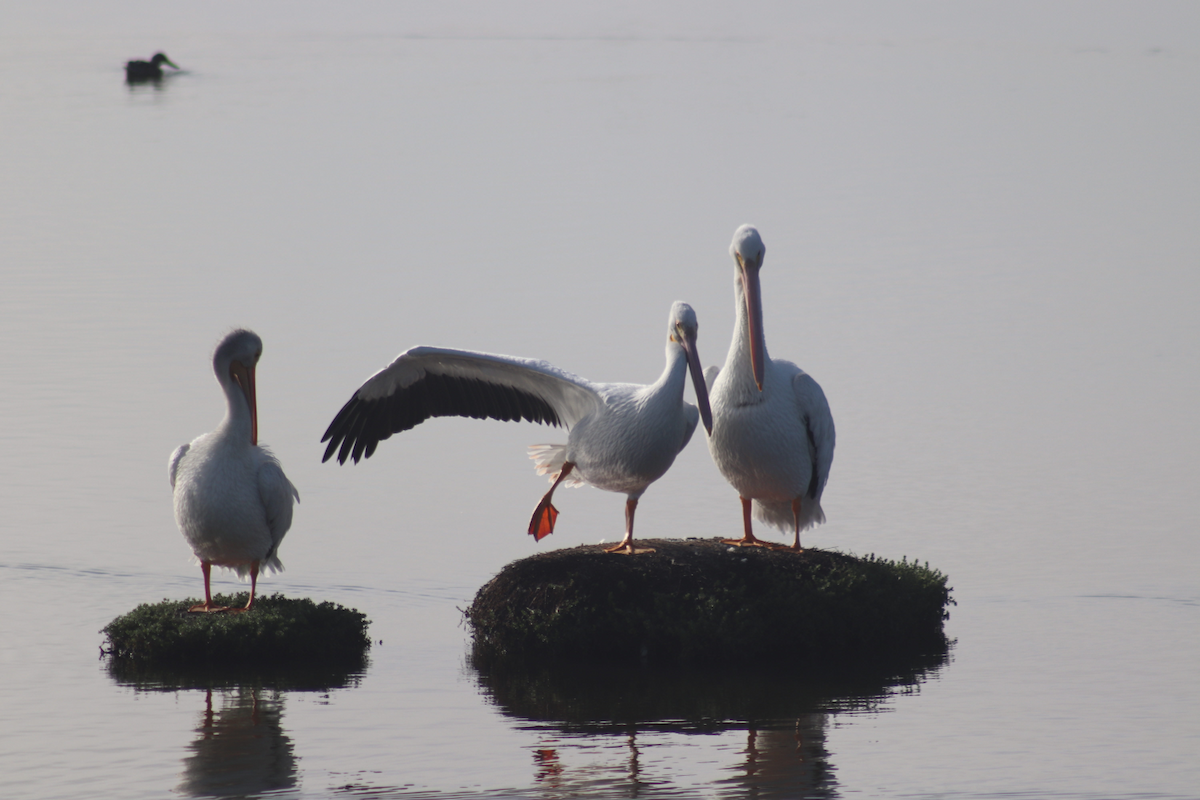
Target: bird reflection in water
(781,758)
(633,758)
(596,775)
(784,760)
(549,768)
(680,726)
(241,749)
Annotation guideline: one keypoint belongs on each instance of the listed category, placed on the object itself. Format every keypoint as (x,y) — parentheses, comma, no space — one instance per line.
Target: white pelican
(623,436)
(772,434)
(232,501)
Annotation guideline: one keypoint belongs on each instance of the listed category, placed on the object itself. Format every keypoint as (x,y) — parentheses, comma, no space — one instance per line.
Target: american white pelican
(623,436)
(232,501)
(772,434)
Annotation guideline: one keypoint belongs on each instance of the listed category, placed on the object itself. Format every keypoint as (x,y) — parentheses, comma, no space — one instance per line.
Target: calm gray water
(982,241)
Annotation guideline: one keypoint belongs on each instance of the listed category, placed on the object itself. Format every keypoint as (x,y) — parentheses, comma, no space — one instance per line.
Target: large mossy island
(704,601)
(277,631)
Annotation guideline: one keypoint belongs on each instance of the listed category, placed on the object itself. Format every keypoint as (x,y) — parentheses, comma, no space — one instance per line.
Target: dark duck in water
(137,71)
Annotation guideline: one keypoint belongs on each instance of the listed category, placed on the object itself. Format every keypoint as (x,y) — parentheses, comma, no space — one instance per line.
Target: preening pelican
(623,436)
(137,71)
(232,501)
(772,432)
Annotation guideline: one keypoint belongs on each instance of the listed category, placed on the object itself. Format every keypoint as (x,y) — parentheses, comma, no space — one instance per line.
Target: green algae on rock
(276,631)
(704,601)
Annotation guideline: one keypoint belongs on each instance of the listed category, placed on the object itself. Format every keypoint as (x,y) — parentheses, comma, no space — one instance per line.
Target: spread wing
(429,382)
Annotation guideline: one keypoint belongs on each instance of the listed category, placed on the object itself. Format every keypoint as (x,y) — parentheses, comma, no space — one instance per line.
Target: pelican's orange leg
(796,548)
(748,539)
(253,585)
(207,606)
(626,546)
(542,523)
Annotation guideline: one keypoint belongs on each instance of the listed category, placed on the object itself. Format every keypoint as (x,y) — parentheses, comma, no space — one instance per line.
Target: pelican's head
(234,362)
(748,250)
(161,58)
(747,247)
(682,329)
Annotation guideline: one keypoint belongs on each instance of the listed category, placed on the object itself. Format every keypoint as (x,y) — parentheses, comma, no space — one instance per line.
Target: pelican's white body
(631,436)
(773,445)
(233,503)
(762,447)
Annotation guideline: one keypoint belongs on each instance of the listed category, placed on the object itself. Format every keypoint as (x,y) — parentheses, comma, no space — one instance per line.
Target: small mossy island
(276,631)
(703,601)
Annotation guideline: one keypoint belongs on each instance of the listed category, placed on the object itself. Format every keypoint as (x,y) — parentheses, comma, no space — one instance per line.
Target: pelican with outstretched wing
(622,438)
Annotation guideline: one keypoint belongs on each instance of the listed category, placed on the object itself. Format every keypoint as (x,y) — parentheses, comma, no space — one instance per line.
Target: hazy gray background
(981,239)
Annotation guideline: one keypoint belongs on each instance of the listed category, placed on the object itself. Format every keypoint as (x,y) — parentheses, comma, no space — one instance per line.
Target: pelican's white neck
(234,362)
(739,363)
(238,422)
(676,368)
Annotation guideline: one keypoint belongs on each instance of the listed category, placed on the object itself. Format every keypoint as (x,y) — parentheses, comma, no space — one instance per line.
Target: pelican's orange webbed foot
(545,514)
(629,549)
(750,541)
(626,546)
(544,517)
(207,608)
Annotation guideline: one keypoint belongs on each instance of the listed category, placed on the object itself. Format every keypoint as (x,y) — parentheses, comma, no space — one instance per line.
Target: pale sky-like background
(981,241)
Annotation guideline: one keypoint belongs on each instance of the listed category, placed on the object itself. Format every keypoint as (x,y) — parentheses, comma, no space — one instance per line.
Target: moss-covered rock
(704,601)
(277,631)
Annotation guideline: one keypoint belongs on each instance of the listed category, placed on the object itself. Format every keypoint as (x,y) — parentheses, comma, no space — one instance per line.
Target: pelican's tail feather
(269,565)
(780,514)
(548,459)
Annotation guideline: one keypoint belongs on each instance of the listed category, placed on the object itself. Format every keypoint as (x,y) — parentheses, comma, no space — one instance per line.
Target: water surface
(981,241)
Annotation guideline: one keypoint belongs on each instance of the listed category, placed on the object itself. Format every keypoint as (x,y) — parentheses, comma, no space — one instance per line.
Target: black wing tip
(361,424)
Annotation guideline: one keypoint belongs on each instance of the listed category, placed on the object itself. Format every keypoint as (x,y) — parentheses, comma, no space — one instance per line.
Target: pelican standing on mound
(233,503)
(623,436)
(772,434)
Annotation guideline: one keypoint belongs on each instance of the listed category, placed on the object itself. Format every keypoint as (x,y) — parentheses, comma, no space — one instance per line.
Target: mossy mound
(703,601)
(276,631)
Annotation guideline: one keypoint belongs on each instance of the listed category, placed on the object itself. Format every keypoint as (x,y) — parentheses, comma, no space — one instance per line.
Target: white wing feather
(816,414)
(276,493)
(173,462)
(571,396)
